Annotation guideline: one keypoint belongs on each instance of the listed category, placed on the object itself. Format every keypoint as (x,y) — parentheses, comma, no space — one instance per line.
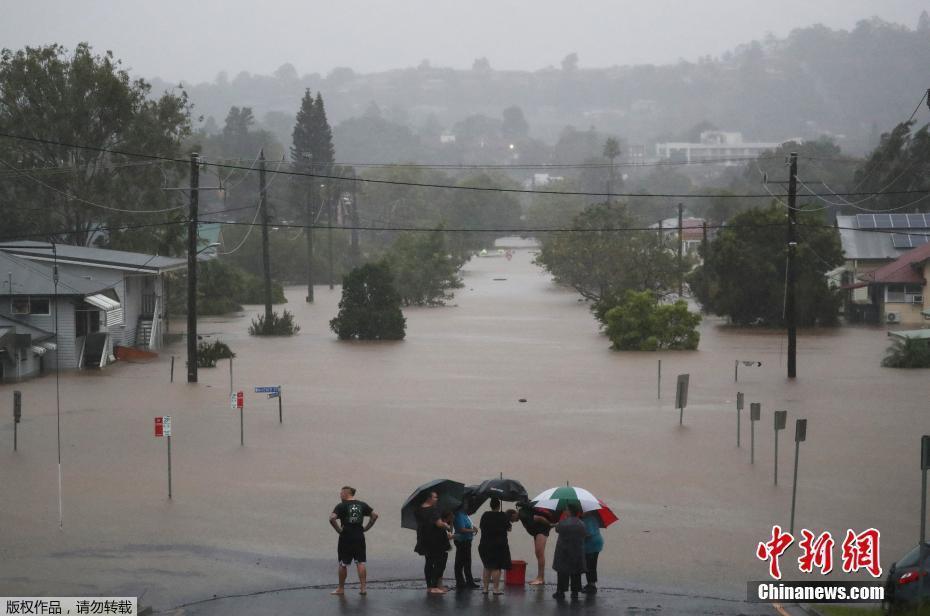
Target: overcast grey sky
(194,40)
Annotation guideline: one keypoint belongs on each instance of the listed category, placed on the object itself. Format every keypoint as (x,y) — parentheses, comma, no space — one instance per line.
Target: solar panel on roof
(916,221)
(866,221)
(883,221)
(917,240)
(899,221)
(900,240)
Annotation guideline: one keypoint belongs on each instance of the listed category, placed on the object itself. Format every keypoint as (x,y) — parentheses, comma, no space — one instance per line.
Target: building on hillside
(869,242)
(105,298)
(715,145)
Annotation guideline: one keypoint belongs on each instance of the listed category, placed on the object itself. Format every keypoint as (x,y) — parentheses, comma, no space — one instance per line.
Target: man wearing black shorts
(347,519)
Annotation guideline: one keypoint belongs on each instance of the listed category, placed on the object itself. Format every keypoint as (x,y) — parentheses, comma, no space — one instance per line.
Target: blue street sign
(272,389)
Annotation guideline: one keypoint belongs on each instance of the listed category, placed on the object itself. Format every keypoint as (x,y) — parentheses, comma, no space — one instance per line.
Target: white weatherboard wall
(67,353)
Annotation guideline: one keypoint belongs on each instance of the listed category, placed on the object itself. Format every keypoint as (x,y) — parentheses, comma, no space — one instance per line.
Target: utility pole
(308,231)
(192,271)
(329,231)
(353,216)
(790,316)
(681,243)
(266,259)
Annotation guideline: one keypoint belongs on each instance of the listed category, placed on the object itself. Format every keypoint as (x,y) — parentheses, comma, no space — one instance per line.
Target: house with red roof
(899,289)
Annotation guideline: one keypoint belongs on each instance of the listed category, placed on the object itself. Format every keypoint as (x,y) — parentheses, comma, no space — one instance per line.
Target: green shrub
(907,353)
(208,353)
(640,324)
(370,306)
(277,326)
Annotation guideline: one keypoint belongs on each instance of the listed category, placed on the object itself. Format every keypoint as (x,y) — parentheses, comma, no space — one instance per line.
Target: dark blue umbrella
(450,494)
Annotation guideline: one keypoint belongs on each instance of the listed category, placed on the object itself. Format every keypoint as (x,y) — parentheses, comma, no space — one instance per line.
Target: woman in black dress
(493,548)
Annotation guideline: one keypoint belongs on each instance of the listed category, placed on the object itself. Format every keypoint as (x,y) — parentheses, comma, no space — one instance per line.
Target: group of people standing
(576,552)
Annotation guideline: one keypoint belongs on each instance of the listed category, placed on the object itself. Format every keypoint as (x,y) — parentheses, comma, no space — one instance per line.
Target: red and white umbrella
(557,499)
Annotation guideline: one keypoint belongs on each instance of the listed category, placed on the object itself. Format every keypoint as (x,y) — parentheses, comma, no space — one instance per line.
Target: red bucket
(516,575)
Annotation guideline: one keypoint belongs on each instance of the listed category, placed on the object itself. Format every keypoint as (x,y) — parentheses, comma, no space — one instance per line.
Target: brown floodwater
(386,417)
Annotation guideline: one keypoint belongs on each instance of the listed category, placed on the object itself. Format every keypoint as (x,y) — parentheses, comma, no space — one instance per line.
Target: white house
(105,298)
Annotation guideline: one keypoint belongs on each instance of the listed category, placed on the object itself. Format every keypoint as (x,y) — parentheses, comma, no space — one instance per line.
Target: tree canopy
(370,305)
(743,275)
(425,272)
(87,99)
(602,261)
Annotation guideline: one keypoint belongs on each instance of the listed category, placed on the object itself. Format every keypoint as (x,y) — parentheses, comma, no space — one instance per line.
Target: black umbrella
(501,488)
(450,497)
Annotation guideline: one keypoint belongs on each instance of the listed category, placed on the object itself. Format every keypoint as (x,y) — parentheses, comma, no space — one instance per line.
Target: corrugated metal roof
(103,257)
(31,278)
(903,269)
(919,334)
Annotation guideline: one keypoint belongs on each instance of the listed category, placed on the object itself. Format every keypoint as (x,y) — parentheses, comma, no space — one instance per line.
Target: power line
(446,186)
(71,197)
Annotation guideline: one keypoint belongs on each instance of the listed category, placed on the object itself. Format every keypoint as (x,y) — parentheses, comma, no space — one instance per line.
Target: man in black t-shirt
(347,518)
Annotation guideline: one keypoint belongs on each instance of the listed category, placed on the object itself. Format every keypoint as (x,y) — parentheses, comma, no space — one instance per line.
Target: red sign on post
(159,426)
(240,400)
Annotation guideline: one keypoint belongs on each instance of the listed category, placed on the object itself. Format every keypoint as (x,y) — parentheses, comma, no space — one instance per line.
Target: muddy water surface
(444,403)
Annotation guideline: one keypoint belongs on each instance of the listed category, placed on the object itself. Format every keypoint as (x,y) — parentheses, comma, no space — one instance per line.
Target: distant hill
(849,85)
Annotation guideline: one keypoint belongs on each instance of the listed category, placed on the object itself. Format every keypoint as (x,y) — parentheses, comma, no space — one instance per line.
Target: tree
(907,353)
(88,100)
(312,152)
(743,274)
(901,162)
(611,152)
(638,323)
(602,261)
(370,305)
(424,270)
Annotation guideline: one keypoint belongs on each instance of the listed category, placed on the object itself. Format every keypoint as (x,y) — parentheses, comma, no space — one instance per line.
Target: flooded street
(386,417)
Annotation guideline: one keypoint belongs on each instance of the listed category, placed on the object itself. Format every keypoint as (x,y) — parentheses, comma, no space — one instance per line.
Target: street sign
(159,427)
(925,453)
(240,399)
(269,389)
(781,419)
(800,431)
(755,411)
(740,401)
(681,391)
(166,425)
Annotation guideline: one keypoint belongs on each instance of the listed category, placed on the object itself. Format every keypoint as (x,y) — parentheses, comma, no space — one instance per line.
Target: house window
(903,293)
(29,305)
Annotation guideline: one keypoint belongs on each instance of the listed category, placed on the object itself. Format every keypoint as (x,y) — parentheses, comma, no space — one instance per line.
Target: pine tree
(312,152)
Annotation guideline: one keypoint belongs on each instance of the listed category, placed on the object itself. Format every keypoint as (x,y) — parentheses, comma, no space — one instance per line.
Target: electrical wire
(71,197)
(445,186)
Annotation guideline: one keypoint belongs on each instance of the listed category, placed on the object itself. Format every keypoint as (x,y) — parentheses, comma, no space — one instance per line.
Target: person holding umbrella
(569,559)
(493,547)
(432,542)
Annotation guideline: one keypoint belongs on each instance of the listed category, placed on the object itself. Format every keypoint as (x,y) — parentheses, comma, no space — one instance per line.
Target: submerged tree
(370,306)
(425,272)
(743,275)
